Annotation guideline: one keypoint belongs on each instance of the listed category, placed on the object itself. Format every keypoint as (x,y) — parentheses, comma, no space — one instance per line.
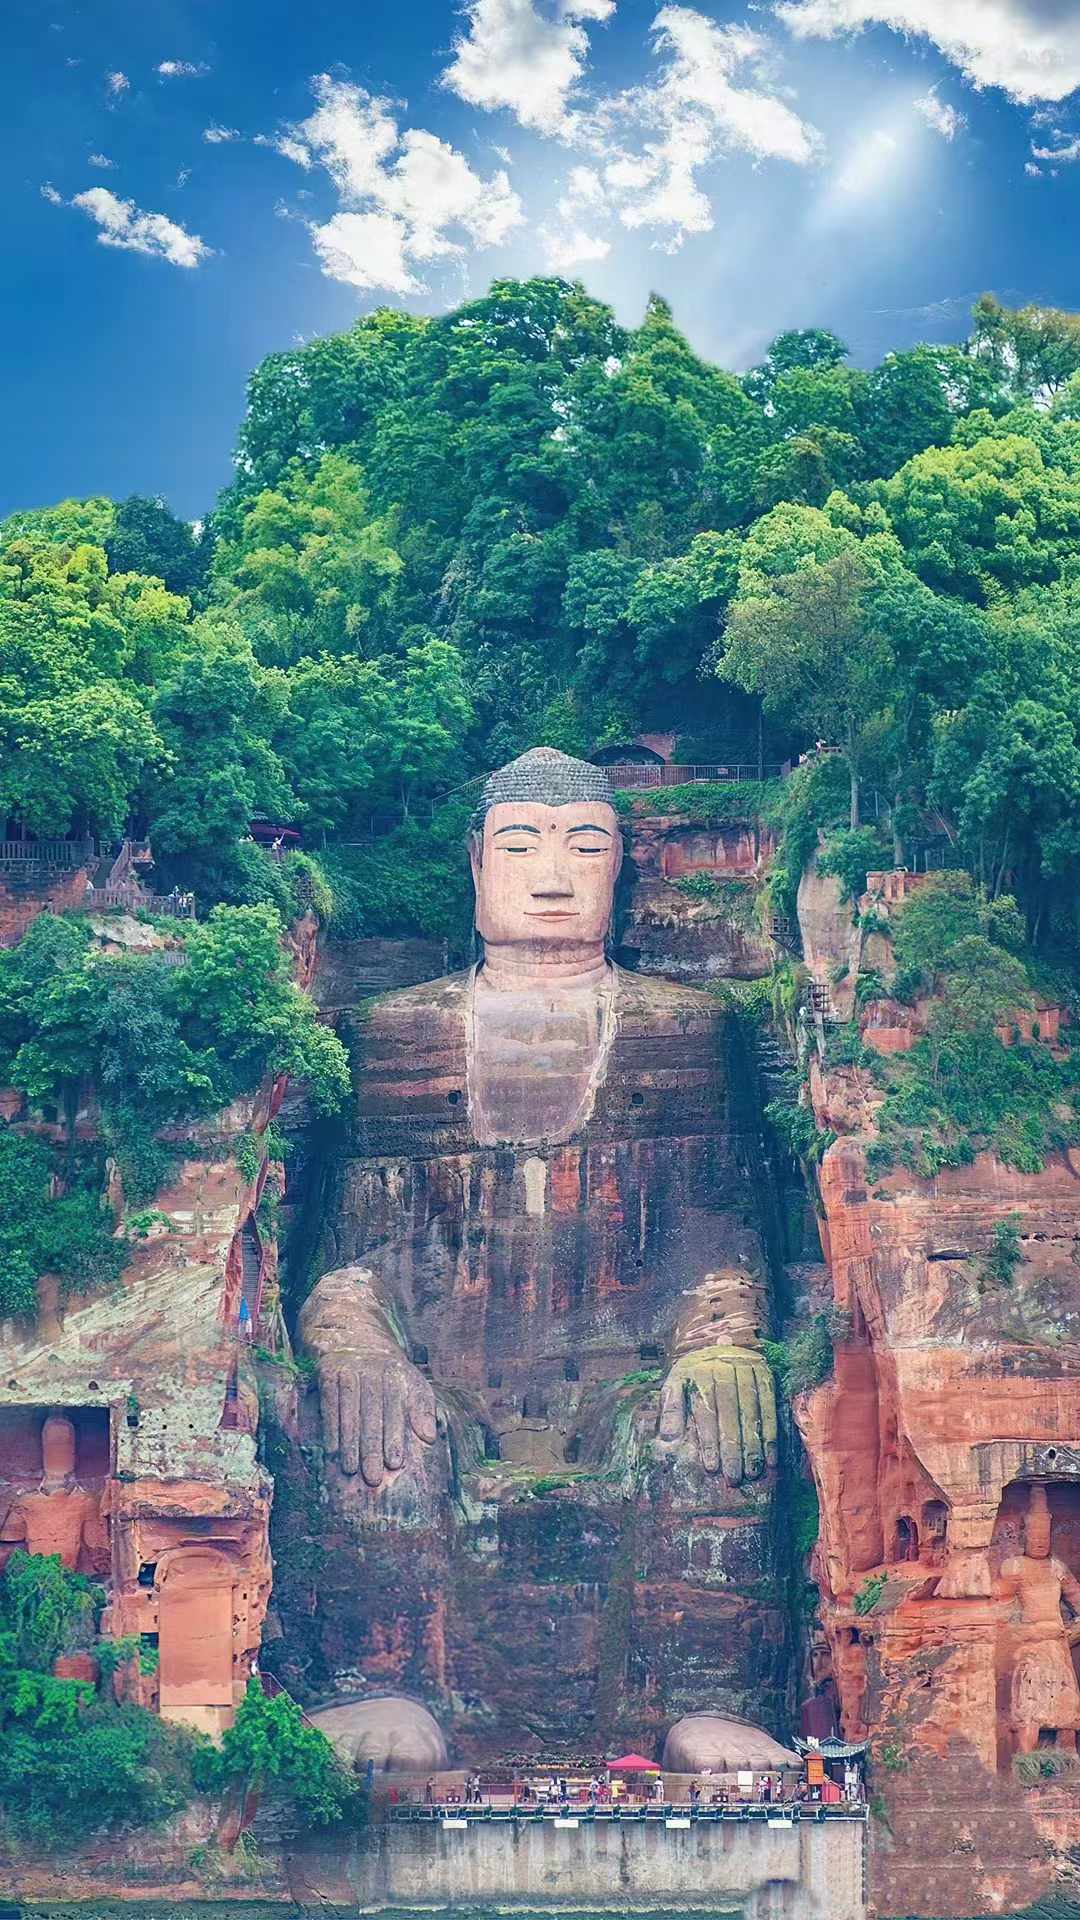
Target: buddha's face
(57,1449)
(545,876)
(1037,1526)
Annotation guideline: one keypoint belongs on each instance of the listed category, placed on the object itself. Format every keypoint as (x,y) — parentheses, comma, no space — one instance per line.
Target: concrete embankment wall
(758,1872)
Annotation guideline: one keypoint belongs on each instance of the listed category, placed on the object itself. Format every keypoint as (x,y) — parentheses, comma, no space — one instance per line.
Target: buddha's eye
(578,848)
(517,849)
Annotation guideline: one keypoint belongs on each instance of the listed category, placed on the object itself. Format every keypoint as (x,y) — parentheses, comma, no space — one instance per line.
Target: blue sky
(195,183)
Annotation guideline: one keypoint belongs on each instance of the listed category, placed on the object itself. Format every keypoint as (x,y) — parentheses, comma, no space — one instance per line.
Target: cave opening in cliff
(907,1538)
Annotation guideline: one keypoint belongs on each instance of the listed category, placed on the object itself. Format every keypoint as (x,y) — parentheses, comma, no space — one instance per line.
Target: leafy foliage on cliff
(271,1751)
(159,1045)
(963,1086)
(68,1233)
(70,1763)
(450,538)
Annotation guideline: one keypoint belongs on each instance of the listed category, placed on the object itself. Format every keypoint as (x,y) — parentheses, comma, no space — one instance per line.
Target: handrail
(46,853)
(678,774)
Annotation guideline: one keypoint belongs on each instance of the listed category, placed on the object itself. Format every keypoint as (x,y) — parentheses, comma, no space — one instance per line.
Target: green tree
(145,538)
(77,650)
(310,564)
(70,523)
(813,348)
(810,647)
(54,1220)
(270,1751)
(913,400)
(1033,351)
(978,519)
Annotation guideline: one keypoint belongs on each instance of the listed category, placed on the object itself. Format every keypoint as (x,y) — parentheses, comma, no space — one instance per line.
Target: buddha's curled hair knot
(545,775)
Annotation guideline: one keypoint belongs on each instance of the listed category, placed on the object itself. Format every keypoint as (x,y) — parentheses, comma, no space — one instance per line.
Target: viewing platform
(671,1815)
(745,1862)
(627,775)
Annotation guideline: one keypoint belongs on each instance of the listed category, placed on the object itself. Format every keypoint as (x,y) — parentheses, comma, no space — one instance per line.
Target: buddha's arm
(376,1406)
(719,1393)
(1070,1590)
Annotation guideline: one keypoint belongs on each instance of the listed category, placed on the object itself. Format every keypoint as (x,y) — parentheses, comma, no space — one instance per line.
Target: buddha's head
(57,1453)
(546,851)
(1037,1525)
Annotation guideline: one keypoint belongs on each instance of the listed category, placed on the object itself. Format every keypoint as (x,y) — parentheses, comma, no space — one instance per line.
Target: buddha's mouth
(565,913)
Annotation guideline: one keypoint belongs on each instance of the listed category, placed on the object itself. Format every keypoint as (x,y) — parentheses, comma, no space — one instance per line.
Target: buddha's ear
(475,845)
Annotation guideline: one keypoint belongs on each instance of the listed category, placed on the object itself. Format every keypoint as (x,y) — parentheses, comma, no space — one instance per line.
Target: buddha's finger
(673,1408)
(329,1386)
(423,1414)
(705,1425)
(728,1424)
(393,1421)
(349,1420)
(750,1421)
(767,1403)
(371,1431)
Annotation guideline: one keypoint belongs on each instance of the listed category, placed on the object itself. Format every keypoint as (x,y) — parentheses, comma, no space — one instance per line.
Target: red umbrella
(632,1763)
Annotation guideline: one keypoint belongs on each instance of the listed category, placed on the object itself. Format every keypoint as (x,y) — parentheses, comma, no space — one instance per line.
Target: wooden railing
(47,853)
(676,774)
(134,898)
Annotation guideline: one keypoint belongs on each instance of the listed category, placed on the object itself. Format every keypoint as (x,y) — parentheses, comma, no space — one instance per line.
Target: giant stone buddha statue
(540,1390)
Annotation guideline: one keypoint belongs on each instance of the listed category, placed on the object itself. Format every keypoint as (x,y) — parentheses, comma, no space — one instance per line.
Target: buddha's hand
(376,1407)
(723,1398)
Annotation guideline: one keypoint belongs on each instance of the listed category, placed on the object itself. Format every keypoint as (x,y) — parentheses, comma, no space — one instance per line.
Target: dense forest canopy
(450,538)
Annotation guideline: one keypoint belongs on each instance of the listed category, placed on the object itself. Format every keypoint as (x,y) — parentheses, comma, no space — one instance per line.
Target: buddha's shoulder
(435,1008)
(644,999)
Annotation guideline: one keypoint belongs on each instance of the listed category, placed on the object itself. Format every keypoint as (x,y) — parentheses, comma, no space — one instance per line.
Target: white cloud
(1065,154)
(123,224)
(181,69)
(183,176)
(703,60)
(217,136)
(527,56)
(116,84)
(1029,48)
(366,250)
(650,144)
(100,160)
(706,101)
(939,115)
(570,247)
(406,197)
(584,188)
(49,193)
(1030,168)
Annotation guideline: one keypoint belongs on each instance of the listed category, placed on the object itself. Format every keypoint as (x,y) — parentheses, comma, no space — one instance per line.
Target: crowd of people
(558,1793)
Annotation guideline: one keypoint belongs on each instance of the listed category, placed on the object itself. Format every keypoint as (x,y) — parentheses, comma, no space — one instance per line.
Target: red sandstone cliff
(950,1398)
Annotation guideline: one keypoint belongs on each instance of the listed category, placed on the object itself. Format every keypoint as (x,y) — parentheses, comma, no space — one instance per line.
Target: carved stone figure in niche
(850,1667)
(551,1190)
(61,1517)
(545,1034)
(1044,1694)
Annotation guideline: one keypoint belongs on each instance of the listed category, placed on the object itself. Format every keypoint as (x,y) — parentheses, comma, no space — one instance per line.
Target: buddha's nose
(552,876)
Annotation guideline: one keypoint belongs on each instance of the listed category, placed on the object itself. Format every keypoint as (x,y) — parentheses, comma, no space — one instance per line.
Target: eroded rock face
(707,930)
(947,1441)
(127,1429)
